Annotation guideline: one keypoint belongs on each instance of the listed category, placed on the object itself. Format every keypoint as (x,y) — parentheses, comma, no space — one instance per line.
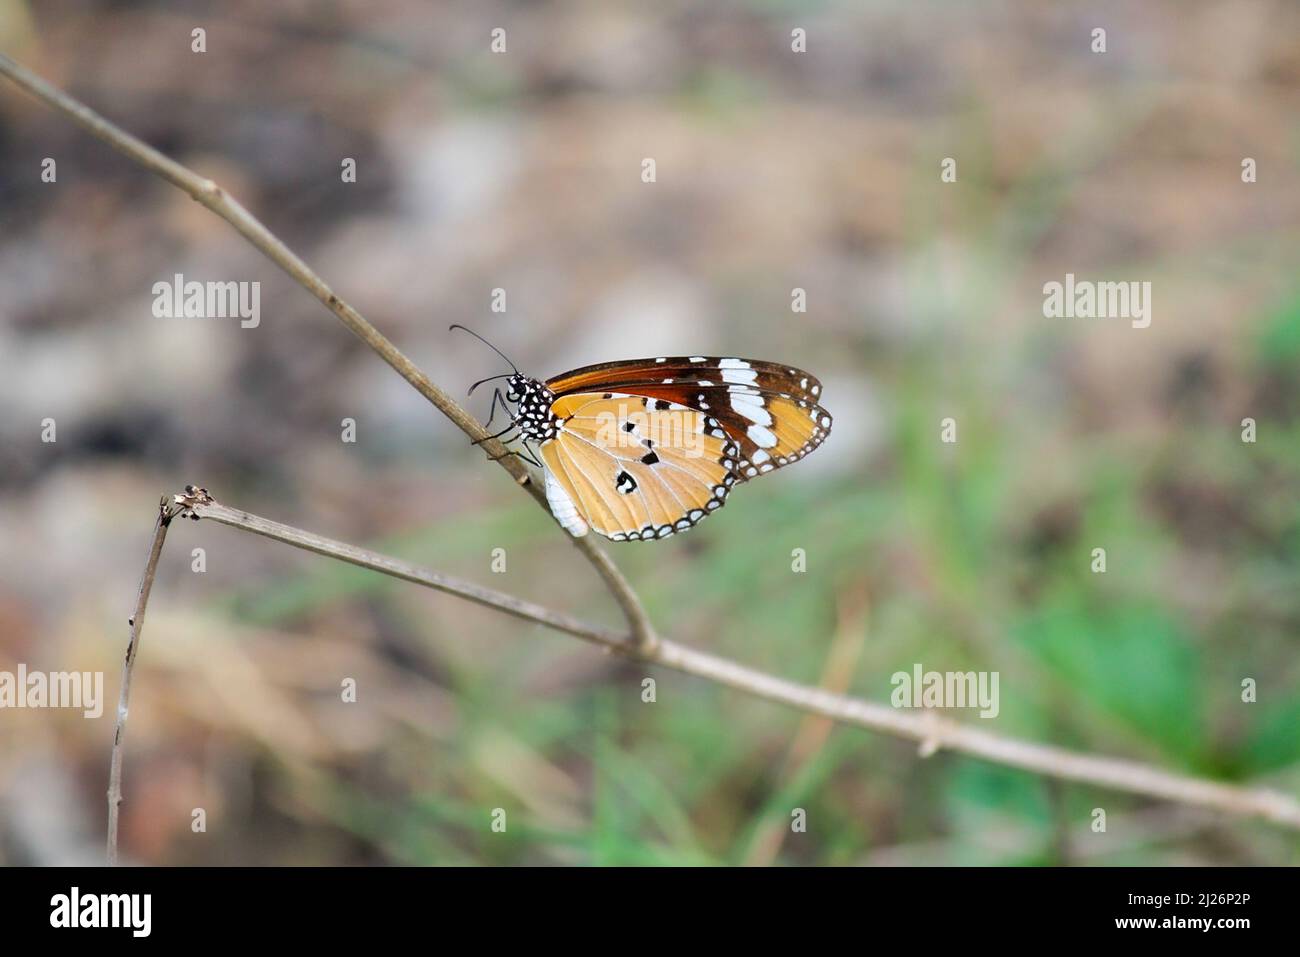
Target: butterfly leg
(527,455)
(496,435)
(530,456)
(504,441)
(496,400)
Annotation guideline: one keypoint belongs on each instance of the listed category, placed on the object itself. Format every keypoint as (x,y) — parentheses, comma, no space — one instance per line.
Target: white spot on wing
(763,438)
(739,376)
(751,407)
(760,457)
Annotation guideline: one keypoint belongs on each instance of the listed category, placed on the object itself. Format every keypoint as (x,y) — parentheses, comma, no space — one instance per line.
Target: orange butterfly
(642,448)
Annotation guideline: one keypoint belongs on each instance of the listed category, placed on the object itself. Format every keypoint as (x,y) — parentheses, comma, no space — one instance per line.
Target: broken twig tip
(185,502)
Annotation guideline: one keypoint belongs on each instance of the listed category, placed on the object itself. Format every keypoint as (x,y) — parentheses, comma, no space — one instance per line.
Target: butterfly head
(517,387)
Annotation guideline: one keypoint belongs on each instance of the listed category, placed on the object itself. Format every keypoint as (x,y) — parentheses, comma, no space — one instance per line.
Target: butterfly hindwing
(633,467)
(770,410)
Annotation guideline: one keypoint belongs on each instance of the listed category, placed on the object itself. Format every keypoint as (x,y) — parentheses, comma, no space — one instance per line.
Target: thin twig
(933,732)
(205,507)
(167,510)
(209,194)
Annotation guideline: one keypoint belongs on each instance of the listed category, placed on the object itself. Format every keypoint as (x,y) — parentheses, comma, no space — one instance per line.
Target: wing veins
(662,461)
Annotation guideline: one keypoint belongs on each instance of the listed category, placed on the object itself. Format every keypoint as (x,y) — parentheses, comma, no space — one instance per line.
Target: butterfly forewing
(633,467)
(770,410)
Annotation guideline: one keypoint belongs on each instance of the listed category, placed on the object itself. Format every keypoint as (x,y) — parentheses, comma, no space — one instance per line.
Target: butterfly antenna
(457,325)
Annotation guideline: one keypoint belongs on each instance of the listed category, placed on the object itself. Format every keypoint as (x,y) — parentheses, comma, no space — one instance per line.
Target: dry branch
(932,732)
(167,510)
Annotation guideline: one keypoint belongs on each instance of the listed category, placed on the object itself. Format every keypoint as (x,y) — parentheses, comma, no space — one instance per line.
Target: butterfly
(641,448)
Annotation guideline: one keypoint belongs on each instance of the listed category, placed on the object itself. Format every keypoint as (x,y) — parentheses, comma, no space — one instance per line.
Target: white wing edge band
(562,507)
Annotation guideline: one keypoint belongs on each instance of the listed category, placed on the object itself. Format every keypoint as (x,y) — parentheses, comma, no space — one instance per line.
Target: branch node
(184,503)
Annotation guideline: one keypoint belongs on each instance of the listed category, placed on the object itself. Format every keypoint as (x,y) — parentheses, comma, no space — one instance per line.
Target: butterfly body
(643,448)
(533,401)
